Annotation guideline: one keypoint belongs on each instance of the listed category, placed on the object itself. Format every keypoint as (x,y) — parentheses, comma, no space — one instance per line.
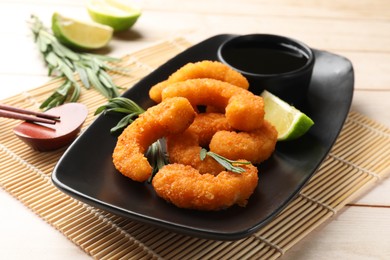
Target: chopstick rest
(46,138)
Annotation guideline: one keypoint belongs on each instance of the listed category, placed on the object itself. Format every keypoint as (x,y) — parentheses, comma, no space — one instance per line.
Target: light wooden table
(358,30)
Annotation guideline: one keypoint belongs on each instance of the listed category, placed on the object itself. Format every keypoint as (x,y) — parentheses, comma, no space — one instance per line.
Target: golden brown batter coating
(205,125)
(201,69)
(243,110)
(185,187)
(169,117)
(255,146)
(185,148)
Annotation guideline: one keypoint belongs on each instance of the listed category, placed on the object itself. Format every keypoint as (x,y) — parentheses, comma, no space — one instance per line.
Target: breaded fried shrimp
(169,117)
(255,146)
(205,125)
(185,187)
(201,69)
(184,149)
(243,110)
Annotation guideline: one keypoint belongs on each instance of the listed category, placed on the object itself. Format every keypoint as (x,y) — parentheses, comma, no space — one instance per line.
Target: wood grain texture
(358,30)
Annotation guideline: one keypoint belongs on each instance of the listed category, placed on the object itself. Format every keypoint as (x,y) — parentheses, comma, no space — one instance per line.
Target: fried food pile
(232,126)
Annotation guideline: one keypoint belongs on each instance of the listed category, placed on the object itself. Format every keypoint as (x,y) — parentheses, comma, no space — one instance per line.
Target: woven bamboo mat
(359,159)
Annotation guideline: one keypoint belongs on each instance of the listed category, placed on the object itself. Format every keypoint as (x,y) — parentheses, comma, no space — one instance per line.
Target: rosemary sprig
(65,63)
(124,106)
(157,157)
(132,110)
(228,164)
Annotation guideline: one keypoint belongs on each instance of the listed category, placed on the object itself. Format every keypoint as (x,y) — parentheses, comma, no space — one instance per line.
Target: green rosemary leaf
(42,45)
(222,162)
(50,70)
(119,110)
(57,50)
(156,157)
(94,66)
(83,75)
(76,92)
(124,106)
(106,80)
(203,154)
(98,62)
(51,59)
(64,62)
(125,121)
(64,52)
(48,101)
(155,153)
(65,70)
(122,71)
(69,64)
(121,105)
(106,58)
(99,110)
(229,165)
(52,101)
(94,81)
(58,97)
(108,83)
(44,34)
(64,88)
(70,54)
(130,104)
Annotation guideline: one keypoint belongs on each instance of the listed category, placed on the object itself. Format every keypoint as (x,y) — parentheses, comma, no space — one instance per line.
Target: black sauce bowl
(279,64)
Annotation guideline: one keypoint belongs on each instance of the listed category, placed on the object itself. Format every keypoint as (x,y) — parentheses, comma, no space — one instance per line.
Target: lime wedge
(80,35)
(115,13)
(288,121)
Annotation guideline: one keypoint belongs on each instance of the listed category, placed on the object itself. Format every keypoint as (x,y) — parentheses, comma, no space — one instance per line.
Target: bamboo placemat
(359,159)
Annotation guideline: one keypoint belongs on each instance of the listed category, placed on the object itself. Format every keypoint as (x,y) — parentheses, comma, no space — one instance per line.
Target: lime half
(288,121)
(115,13)
(80,35)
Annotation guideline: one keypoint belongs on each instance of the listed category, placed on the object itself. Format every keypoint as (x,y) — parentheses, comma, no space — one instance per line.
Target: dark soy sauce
(262,58)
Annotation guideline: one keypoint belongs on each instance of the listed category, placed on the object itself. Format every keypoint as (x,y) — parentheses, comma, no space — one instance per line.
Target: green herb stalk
(229,165)
(65,63)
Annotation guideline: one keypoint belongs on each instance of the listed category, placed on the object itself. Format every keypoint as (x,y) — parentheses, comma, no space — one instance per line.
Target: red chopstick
(23,114)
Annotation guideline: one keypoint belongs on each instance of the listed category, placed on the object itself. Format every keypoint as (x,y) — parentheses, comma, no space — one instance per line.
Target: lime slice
(288,121)
(115,13)
(80,35)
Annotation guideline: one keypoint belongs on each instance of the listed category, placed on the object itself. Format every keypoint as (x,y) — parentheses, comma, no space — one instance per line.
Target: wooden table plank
(358,233)
(358,30)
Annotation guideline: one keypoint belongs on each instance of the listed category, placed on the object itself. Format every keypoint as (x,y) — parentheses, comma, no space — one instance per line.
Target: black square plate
(86,171)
